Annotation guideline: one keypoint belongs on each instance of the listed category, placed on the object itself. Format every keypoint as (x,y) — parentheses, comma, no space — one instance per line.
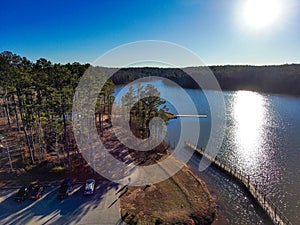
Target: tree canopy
(37,97)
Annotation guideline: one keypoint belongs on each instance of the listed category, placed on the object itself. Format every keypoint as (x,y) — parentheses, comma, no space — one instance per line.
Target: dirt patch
(181,199)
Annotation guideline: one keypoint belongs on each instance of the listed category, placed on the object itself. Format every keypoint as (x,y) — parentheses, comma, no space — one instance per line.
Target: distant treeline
(283,79)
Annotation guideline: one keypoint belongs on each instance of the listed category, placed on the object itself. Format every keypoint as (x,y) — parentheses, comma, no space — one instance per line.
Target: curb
(46,184)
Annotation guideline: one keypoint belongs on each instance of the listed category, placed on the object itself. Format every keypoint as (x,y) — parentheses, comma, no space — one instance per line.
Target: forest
(36,99)
(281,79)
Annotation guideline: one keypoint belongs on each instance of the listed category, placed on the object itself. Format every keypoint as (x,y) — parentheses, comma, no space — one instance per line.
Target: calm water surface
(262,140)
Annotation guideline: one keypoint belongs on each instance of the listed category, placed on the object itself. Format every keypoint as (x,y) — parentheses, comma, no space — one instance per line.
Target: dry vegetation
(181,199)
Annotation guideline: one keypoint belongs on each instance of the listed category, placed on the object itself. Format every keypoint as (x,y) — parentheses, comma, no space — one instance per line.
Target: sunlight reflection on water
(249,114)
(262,140)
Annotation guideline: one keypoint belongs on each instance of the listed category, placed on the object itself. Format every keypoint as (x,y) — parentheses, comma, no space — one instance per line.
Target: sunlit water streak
(262,140)
(249,114)
(250,148)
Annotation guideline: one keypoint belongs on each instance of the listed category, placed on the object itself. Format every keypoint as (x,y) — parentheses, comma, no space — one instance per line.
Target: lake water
(262,139)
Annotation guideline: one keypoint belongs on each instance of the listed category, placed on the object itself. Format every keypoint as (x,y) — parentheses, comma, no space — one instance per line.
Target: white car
(89,187)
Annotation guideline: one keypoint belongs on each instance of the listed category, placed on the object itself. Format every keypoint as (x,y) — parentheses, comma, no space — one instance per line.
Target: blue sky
(76,30)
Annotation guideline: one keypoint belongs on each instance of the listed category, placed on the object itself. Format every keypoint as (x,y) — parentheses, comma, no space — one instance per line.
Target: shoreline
(183,199)
(178,181)
(220,218)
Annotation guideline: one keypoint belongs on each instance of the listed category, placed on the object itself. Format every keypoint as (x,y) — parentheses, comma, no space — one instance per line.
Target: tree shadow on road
(51,210)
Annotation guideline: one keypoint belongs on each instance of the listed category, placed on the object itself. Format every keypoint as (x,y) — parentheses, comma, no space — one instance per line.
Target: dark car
(24,192)
(37,192)
(89,187)
(65,188)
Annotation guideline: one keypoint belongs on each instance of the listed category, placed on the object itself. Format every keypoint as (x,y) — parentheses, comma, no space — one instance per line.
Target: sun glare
(249,114)
(262,13)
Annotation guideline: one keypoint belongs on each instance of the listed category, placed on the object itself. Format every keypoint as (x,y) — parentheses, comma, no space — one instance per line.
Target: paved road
(101,208)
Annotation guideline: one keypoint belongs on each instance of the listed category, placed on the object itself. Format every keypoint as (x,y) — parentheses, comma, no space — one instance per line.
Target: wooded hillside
(284,79)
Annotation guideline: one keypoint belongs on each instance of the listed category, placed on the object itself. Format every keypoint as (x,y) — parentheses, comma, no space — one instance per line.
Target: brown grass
(181,199)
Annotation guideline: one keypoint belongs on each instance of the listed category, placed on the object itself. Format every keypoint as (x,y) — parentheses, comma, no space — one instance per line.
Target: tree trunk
(56,147)
(41,139)
(66,139)
(32,143)
(24,127)
(6,107)
(16,113)
(28,144)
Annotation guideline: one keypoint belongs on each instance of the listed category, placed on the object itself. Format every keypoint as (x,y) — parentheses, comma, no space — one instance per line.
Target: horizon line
(148,66)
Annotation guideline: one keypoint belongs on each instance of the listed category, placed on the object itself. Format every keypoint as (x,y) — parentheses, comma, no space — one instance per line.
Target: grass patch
(57,169)
(28,167)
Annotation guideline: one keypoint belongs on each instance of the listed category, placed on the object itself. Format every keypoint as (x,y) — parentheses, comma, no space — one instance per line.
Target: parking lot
(101,208)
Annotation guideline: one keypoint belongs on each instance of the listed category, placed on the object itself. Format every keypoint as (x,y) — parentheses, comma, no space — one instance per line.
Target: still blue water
(261,139)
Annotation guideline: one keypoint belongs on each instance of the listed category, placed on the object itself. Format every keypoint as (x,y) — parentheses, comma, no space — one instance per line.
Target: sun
(262,13)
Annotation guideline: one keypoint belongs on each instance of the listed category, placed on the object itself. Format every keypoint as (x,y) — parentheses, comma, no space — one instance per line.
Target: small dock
(266,204)
(195,116)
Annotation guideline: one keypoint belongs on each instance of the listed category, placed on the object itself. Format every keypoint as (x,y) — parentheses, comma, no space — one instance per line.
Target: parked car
(24,192)
(37,191)
(66,188)
(89,187)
